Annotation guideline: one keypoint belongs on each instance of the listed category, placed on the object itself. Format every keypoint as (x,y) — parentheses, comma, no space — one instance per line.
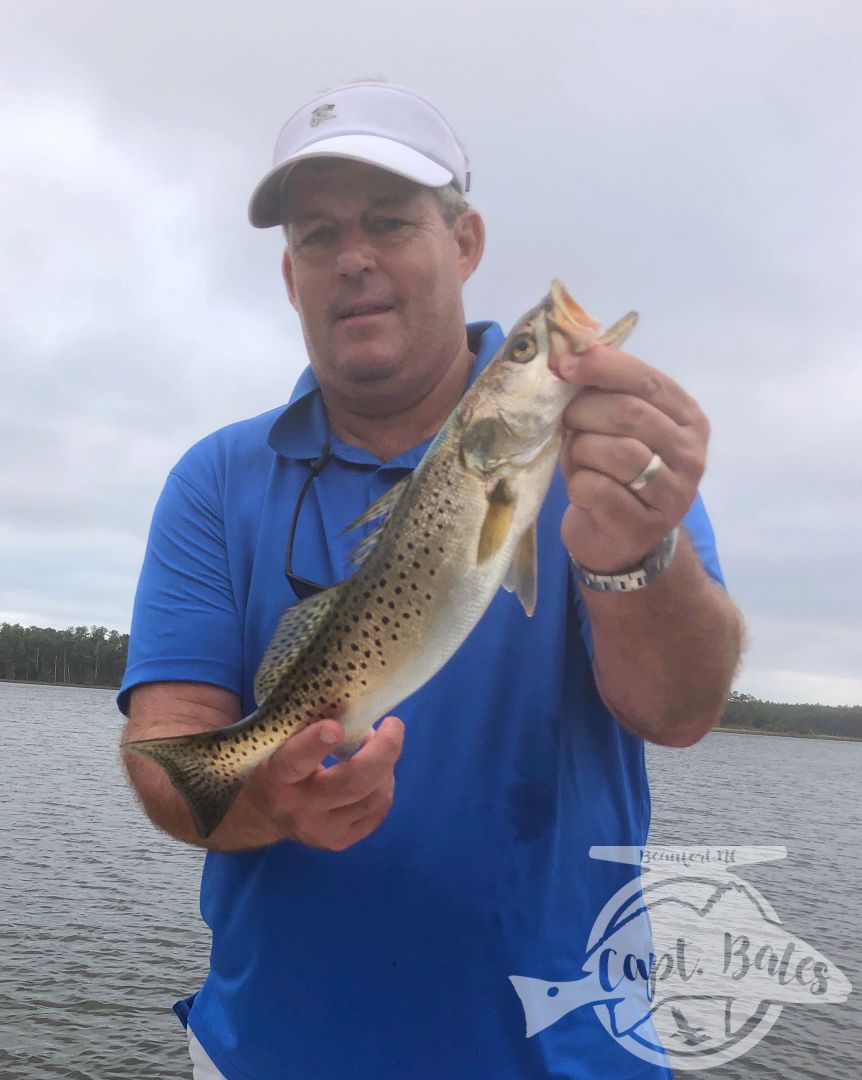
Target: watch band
(644,573)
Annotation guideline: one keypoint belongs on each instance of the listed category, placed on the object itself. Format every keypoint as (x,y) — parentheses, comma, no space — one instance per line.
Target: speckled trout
(462,524)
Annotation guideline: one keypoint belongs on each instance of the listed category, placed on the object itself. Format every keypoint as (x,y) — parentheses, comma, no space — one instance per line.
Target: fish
(462,524)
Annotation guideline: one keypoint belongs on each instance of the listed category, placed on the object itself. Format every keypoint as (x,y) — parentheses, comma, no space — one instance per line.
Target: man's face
(376,275)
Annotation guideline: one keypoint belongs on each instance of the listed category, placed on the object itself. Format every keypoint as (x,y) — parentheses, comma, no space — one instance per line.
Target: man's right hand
(289,796)
(331,807)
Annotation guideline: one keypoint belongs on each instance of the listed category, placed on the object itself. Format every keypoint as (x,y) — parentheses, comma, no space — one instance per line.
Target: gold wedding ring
(643,478)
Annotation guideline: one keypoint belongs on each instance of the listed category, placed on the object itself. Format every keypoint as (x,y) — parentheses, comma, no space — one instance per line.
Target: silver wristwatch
(644,573)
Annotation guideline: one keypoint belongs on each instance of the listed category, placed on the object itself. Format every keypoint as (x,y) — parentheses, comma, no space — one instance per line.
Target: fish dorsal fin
(365,546)
(615,335)
(499,514)
(521,576)
(382,507)
(295,629)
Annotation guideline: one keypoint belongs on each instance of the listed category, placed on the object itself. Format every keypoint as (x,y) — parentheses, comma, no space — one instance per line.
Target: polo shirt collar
(301,430)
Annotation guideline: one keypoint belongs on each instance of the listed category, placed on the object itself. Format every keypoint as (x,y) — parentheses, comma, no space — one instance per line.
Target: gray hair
(449,199)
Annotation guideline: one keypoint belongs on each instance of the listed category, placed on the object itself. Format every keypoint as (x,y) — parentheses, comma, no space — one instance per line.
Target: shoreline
(66,685)
(787,734)
(718,729)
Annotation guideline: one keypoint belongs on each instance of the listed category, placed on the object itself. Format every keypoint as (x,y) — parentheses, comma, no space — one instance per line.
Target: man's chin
(362,371)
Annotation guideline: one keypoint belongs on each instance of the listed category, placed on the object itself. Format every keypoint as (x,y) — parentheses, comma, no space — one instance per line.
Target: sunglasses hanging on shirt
(300,585)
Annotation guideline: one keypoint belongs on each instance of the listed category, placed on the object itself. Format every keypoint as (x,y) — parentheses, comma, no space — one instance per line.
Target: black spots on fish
(356,618)
(382,583)
(413,586)
(366,596)
(327,682)
(379,599)
(391,605)
(367,654)
(403,575)
(365,634)
(351,666)
(369,615)
(400,557)
(432,571)
(354,646)
(394,637)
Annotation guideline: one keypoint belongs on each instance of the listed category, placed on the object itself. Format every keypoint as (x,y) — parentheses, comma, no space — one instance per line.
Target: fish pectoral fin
(617,334)
(521,576)
(499,514)
(381,507)
(295,629)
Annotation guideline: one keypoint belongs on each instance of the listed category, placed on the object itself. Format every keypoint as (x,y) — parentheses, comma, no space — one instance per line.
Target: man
(360,931)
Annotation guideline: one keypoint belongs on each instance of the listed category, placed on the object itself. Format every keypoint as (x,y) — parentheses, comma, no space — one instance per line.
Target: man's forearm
(243,828)
(665,655)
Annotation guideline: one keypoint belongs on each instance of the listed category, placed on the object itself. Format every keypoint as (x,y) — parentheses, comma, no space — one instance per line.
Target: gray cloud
(695,162)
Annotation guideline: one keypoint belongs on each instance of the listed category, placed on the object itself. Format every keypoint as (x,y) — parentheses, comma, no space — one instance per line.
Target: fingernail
(328,736)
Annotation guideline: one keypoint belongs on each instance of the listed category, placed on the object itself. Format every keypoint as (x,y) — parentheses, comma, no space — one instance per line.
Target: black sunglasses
(300,585)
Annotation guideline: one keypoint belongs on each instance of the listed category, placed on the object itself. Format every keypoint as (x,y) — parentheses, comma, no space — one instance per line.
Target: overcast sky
(698,161)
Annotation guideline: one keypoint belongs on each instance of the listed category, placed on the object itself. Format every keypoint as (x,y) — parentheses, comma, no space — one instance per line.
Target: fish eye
(523,348)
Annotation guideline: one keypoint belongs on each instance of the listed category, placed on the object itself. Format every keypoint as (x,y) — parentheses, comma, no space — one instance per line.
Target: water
(100,933)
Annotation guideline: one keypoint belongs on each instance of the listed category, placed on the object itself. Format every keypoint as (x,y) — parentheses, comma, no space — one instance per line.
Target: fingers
(352,781)
(610,369)
(623,459)
(332,807)
(302,754)
(625,413)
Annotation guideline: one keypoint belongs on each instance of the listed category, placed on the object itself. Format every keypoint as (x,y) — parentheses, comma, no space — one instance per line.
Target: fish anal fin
(381,507)
(295,629)
(499,514)
(521,576)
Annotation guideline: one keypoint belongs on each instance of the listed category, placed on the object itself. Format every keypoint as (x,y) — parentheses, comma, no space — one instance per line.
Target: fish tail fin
(201,768)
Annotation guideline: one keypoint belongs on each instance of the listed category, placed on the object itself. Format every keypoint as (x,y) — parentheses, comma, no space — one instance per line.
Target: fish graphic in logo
(322,113)
(720,969)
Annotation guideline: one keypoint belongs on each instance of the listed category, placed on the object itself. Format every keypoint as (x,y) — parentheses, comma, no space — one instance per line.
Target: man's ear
(287,274)
(469,233)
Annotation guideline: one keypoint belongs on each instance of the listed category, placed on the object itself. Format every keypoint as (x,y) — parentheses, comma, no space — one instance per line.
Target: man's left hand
(624,413)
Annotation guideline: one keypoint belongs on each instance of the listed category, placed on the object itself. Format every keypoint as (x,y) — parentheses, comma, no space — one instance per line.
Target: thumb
(300,756)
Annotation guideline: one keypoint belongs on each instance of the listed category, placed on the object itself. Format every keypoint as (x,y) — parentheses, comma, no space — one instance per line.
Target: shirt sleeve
(699,528)
(185,625)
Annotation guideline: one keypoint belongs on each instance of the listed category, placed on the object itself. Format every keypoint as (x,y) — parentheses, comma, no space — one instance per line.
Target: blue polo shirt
(391,960)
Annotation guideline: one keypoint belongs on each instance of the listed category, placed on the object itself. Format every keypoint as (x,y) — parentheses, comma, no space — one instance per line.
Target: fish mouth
(570,328)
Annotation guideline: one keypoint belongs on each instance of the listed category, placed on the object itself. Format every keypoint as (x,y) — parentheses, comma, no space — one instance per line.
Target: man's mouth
(360,311)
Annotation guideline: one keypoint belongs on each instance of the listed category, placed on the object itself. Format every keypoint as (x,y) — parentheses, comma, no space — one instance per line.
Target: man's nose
(356,255)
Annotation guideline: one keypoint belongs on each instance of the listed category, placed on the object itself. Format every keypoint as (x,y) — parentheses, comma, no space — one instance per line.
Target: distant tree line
(745,711)
(86,656)
(95,656)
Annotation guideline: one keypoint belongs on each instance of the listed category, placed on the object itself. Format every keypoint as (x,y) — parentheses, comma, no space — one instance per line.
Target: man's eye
(323,235)
(388,225)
